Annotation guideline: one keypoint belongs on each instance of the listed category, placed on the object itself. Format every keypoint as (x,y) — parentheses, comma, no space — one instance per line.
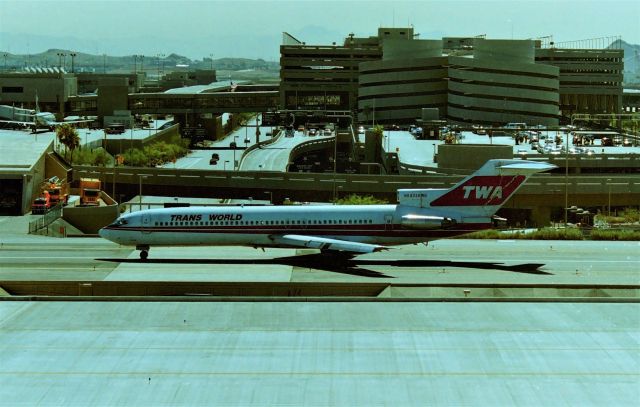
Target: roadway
(200,159)
(275,156)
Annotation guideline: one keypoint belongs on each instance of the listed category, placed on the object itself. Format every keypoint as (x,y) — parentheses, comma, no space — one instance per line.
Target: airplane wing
(323,243)
(16,122)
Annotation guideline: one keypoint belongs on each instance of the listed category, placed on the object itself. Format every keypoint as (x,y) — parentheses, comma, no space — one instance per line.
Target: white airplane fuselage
(421,215)
(256,225)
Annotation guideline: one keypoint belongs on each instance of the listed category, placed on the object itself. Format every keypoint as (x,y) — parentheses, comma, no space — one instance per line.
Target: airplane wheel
(144,254)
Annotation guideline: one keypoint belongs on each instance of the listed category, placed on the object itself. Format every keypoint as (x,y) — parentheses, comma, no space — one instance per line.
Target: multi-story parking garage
(394,74)
(590,79)
(410,76)
(502,84)
(499,83)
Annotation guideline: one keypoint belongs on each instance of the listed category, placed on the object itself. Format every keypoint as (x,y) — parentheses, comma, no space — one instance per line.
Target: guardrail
(539,184)
(46,219)
(309,145)
(261,144)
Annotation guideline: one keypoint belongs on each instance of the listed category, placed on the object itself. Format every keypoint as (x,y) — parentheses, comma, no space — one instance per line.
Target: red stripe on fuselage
(344,230)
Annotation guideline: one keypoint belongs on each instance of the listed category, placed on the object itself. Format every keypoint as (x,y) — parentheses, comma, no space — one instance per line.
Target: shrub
(354,199)
(609,234)
(554,234)
(628,215)
(98,157)
(157,153)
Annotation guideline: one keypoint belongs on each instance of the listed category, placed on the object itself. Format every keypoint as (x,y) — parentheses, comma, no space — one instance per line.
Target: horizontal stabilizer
(524,168)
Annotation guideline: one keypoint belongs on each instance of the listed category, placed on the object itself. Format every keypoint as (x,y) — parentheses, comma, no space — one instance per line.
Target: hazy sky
(254,29)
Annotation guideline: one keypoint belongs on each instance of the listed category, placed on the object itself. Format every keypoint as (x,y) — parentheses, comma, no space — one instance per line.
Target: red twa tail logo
(481,190)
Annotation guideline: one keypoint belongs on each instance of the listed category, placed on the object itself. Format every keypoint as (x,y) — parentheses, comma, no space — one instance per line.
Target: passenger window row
(269,222)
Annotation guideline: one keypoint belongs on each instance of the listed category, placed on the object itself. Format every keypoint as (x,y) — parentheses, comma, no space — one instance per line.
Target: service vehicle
(58,191)
(115,128)
(89,191)
(41,204)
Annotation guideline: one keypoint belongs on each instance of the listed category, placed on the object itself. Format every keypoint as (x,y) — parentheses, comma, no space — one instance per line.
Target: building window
(12,89)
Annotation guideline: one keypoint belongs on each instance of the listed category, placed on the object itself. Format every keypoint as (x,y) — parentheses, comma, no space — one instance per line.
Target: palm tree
(68,135)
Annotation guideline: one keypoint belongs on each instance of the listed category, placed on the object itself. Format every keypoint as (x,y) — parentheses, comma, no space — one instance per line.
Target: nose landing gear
(144,251)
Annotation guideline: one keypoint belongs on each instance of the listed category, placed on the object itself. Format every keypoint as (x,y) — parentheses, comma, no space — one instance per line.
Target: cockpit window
(119,222)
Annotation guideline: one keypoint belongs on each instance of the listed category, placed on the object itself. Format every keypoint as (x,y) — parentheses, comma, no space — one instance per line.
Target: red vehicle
(58,191)
(41,204)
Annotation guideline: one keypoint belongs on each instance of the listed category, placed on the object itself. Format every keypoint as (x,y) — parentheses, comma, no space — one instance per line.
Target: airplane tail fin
(484,191)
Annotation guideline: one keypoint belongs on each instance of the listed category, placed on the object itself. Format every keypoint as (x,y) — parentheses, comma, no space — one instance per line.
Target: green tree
(68,135)
(378,131)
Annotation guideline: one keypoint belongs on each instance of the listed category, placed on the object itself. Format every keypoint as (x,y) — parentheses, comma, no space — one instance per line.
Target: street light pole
(140,191)
(235,145)
(566,176)
(609,206)
(73,57)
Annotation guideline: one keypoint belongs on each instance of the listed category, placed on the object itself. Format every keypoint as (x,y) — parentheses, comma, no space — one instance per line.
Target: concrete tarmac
(321,353)
(444,261)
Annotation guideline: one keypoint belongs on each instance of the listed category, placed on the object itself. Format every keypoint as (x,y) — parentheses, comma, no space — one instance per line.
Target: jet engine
(426,222)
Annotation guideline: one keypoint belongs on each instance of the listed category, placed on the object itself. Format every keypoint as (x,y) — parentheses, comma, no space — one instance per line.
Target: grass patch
(609,234)
(484,234)
(558,234)
(628,215)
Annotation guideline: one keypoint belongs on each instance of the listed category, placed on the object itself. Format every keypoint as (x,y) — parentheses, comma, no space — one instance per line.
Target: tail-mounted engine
(426,222)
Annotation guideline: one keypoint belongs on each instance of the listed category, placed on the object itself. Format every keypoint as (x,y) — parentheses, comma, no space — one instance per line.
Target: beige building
(590,79)
(88,82)
(410,76)
(469,79)
(497,83)
(501,83)
(53,90)
(325,77)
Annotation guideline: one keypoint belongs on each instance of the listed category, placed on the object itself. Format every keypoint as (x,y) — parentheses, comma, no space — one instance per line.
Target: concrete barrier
(89,219)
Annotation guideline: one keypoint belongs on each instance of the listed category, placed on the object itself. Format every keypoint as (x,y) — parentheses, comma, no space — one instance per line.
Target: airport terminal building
(390,77)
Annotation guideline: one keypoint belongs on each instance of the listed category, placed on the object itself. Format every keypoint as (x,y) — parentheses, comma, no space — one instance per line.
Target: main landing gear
(144,251)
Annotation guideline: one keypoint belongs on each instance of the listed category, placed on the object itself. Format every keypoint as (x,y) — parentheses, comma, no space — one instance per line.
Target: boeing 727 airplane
(421,215)
(35,119)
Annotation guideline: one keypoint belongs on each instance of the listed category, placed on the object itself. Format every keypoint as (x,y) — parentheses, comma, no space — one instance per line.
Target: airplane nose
(104,233)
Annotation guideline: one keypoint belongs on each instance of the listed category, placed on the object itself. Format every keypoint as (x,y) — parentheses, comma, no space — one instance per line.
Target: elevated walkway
(182,103)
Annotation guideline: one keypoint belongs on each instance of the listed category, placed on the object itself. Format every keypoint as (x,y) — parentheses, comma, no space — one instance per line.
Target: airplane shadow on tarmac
(347,265)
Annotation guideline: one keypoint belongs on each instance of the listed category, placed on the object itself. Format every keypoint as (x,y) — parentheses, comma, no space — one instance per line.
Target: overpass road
(200,159)
(275,156)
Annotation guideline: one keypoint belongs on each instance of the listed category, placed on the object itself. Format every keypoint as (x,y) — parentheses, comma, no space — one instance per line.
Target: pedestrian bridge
(185,103)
